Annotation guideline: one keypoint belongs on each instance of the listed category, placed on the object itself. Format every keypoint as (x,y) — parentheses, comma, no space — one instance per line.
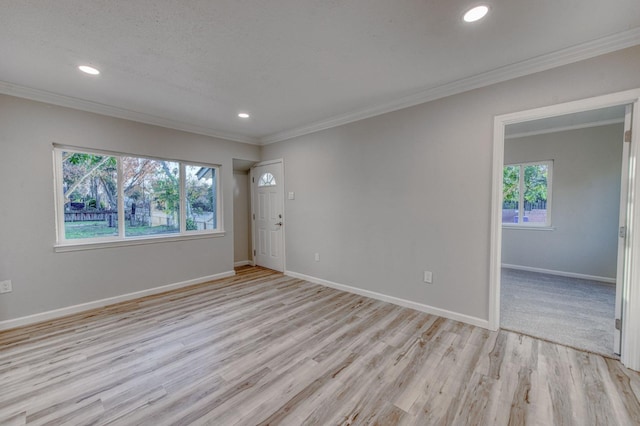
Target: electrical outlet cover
(5,286)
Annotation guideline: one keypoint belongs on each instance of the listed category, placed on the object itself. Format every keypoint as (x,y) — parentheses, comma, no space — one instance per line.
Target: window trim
(531,225)
(63,245)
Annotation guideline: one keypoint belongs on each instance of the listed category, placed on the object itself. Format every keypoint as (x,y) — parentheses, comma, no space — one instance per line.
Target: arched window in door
(267,179)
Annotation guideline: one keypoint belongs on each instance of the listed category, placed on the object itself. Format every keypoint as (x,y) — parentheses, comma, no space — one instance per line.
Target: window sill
(529,228)
(80,246)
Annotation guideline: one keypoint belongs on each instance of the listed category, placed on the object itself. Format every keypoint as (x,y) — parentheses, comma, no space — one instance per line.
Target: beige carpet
(569,311)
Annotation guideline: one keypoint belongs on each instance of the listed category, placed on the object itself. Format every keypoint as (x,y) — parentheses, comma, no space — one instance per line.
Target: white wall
(44,280)
(586,196)
(385,198)
(241,219)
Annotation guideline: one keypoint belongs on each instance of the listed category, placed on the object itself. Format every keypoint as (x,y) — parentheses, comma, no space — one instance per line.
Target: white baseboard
(395,300)
(560,273)
(243,263)
(69,310)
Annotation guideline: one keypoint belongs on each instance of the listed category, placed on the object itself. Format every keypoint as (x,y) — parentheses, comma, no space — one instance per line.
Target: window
(201,198)
(267,179)
(89,188)
(111,197)
(527,194)
(151,196)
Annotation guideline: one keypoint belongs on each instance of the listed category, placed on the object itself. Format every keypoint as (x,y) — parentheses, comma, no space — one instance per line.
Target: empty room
(318,213)
(561,236)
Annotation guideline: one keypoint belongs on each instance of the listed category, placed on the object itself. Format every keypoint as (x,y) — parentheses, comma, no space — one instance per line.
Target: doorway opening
(242,240)
(563,194)
(540,208)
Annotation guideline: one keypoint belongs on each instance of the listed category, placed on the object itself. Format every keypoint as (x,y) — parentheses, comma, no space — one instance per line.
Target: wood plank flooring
(261,348)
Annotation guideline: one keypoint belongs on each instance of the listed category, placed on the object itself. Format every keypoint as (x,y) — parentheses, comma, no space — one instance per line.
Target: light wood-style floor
(262,348)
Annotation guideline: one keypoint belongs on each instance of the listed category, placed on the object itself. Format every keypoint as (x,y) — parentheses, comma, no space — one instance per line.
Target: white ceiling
(295,65)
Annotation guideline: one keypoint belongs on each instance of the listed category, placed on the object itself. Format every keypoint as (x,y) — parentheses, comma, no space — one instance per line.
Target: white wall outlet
(317,257)
(5,286)
(292,196)
(428,277)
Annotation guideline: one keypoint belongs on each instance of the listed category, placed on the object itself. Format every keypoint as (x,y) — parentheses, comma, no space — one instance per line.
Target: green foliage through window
(152,196)
(526,193)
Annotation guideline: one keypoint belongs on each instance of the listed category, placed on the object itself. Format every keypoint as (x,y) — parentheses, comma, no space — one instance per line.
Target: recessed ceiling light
(89,70)
(476,13)
(243,115)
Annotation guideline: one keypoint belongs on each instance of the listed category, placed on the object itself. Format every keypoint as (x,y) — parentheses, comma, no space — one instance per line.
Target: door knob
(279,223)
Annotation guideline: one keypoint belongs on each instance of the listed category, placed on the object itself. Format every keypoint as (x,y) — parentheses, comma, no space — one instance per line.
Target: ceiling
(295,65)
(242,165)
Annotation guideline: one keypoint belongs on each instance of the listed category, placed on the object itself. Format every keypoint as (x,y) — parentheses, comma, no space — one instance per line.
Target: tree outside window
(152,190)
(527,194)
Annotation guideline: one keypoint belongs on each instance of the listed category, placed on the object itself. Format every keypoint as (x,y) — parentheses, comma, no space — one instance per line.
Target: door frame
(630,335)
(252,212)
(622,223)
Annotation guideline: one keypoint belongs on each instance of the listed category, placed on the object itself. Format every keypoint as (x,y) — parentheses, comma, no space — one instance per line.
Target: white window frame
(533,225)
(63,244)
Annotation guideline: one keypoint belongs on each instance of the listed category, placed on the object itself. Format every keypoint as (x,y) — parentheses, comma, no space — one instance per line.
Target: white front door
(622,243)
(268,215)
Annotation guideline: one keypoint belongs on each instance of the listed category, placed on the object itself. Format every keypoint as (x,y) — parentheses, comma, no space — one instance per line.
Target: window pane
(267,179)
(511,194)
(535,193)
(151,196)
(90,195)
(201,198)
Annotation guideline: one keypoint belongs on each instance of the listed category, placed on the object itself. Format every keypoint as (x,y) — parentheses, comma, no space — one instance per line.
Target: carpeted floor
(569,311)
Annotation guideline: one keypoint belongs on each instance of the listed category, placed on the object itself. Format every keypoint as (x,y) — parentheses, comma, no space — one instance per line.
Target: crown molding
(111,111)
(545,62)
(566,56)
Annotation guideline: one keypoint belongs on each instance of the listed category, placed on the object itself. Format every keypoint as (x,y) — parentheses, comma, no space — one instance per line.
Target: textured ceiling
(290,63)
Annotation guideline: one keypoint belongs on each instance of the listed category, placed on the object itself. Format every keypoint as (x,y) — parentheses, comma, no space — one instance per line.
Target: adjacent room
(312,213)
(561,228)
